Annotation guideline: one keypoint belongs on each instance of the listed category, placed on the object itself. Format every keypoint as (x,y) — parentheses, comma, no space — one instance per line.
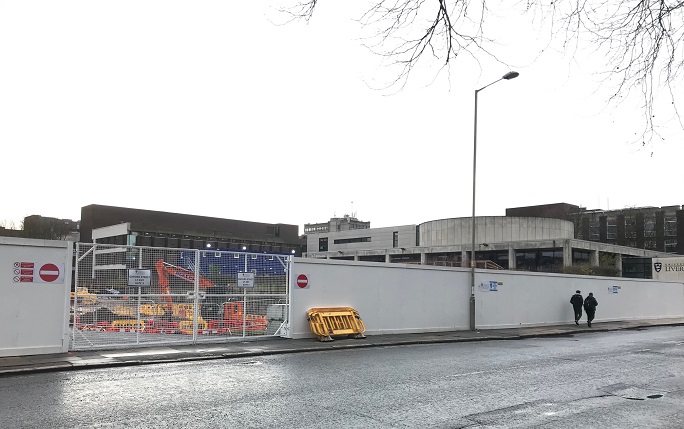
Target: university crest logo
(658,266)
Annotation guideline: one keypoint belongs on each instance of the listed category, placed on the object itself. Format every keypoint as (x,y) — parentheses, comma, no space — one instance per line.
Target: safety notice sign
(37,272)
(245,280)
(139,277)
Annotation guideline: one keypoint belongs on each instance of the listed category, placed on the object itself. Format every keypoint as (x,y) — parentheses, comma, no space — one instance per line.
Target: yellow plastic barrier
(186,325)
(328,321)
(184,311)
(152,309)
(121,310)
(126,324)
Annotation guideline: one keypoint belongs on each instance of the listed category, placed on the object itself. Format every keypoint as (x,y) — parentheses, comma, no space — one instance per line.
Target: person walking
(590,305)
(577,302)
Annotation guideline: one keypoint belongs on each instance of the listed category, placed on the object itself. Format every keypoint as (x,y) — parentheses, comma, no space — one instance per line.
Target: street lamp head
(511,75)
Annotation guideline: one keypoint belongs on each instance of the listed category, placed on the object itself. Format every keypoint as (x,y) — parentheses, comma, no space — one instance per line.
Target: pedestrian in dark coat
(577,302)
(590,305)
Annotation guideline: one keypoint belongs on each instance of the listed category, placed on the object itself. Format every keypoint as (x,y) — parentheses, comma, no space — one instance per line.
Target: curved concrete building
(509,242)
(492,229)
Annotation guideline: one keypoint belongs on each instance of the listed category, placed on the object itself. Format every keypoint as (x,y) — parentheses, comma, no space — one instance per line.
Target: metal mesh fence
(134,296)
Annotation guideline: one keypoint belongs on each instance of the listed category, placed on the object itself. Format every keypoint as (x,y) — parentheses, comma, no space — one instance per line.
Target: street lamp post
(508,76)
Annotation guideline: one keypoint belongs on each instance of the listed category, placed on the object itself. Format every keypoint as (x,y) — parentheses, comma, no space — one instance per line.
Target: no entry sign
(49,273)
(302,281)
(38,272)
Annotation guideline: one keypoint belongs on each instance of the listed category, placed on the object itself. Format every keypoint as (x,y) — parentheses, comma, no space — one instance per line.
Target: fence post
(195,307)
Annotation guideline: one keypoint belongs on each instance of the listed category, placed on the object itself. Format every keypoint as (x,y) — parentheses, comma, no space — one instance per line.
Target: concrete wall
(399,298)
(391,298)
(668,269)
(493,229)
(34,312)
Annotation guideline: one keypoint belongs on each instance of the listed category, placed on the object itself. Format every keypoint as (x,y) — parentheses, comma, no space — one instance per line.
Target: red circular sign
(302,281)
(49,272)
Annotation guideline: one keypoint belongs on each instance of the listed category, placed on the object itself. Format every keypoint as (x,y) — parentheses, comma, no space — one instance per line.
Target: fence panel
(138,296)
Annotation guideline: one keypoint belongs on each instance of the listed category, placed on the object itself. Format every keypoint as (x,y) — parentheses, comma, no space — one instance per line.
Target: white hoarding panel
(35,280)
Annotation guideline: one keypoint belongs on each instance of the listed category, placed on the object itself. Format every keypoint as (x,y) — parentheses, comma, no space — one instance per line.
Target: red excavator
(164,270)
(232,316)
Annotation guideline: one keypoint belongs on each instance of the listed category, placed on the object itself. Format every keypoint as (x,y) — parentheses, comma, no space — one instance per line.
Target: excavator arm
(164,270)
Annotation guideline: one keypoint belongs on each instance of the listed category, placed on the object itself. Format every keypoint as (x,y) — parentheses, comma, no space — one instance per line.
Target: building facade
(654,228)
(133,227)
(523,243)
(335,224)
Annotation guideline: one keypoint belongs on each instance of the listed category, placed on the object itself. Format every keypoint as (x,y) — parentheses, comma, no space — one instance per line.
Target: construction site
(124,295)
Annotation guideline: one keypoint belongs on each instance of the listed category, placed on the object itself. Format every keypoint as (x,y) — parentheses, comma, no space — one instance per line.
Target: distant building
(654,228)
(335,224)
(45,228)
(522,243)
(6,232)
(133,227)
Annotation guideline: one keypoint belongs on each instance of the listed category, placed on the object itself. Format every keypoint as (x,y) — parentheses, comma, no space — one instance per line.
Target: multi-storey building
(654,228)
(133,227)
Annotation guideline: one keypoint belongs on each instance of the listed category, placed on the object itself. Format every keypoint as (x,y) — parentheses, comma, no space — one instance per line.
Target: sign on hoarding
(245,280)
(302,281)
(668,269)
(490,286)
(37,272)
(139,278)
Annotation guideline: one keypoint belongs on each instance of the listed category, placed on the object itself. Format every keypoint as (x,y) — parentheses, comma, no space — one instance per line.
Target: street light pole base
(472,312)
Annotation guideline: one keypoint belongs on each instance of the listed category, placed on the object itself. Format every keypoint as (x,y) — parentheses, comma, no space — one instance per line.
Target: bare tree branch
(642,40)
(408,31)
(301,10)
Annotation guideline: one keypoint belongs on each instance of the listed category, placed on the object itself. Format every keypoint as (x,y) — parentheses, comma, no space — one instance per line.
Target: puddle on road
(655,396)
(251,362)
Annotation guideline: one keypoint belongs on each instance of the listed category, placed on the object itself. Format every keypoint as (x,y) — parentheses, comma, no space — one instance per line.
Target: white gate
(129,296)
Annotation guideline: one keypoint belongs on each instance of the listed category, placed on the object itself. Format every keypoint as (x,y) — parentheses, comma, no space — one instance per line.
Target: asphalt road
(624,379)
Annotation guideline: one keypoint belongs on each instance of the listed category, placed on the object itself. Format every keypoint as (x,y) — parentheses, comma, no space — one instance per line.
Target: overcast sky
(212,108)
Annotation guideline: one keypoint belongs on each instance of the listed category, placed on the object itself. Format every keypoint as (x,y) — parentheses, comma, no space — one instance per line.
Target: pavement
(81,360)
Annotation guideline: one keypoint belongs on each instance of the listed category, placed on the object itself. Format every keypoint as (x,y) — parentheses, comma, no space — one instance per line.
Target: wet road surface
(624,379)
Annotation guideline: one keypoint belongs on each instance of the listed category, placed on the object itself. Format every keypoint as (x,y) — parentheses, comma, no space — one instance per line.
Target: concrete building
(523,243)
(345,223)
(125,226)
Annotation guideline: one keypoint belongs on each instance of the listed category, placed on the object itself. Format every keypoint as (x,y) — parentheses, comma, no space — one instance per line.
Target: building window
(671,246)
(630,228)
(581,256)
(547,260)
(131,239)
(323,244)
(500,257)
(670,226)
(550,260)
(526,260)
(637,268)
(395,239)
(594,231)
(352,240)
(650,244)
(649,228)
